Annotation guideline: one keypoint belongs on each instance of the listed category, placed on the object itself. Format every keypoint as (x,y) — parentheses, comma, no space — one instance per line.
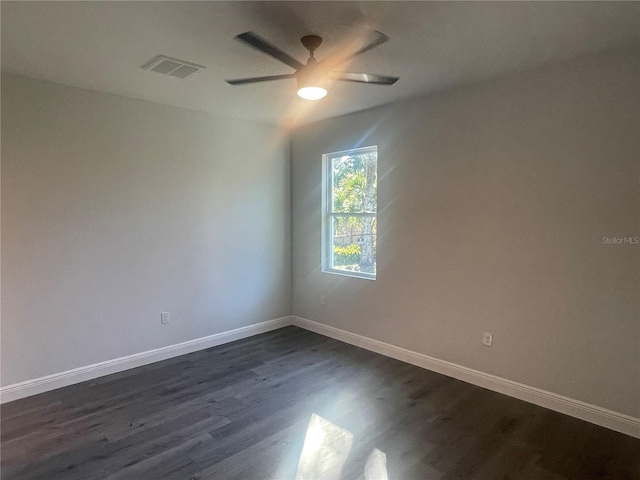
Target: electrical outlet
(487,339)
(164,318)
(323,300)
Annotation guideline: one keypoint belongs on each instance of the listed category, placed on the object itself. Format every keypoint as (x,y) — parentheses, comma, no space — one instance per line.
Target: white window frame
(328,215)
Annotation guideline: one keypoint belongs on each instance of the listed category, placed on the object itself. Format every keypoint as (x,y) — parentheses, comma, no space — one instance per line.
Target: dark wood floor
(241,411)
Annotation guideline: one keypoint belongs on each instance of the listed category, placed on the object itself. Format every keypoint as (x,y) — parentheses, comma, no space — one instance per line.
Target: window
(350,203)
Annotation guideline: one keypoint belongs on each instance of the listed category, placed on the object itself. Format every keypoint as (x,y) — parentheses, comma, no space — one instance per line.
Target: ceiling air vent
(172,67)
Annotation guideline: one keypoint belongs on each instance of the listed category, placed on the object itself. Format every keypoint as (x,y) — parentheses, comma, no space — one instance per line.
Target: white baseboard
(575,408)
(77,375)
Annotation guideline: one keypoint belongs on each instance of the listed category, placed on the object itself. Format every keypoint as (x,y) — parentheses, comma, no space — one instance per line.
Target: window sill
(347,273)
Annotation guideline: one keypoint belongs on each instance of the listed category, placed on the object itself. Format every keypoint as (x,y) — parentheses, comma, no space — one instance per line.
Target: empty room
(201,279)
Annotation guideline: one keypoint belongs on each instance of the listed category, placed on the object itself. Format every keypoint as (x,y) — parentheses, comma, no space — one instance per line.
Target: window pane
(354,182)
(354,243)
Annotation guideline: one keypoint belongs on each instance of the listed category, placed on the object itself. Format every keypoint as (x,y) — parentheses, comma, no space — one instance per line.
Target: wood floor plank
(241,410)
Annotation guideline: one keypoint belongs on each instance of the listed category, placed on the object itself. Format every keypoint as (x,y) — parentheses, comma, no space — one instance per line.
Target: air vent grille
(172,67)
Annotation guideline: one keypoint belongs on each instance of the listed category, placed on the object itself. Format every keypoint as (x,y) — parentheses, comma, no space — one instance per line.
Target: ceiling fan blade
(379,40)
(364,78)
(261,44)
(244,81)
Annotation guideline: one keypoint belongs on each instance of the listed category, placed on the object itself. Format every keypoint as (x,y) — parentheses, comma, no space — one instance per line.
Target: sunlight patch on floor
(325,451)
(326,447)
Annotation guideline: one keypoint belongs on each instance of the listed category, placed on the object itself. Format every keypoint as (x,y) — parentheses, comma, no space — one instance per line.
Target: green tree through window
(350,224)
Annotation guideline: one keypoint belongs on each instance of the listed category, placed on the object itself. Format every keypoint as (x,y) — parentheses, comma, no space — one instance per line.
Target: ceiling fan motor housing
(312,75)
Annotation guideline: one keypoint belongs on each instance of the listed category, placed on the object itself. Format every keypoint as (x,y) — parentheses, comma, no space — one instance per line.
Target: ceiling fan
(312,76)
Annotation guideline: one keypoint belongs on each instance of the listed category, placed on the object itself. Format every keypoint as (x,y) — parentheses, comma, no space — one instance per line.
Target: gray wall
(114,210)
(493,202)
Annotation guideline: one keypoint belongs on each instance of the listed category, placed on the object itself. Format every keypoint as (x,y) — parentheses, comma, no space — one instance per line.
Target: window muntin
(350,205)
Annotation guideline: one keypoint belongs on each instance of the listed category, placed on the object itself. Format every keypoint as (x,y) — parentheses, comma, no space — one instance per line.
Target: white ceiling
(434,45)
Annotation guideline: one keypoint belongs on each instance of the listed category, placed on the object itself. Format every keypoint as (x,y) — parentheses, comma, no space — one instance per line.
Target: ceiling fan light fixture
(312,93)
(311,83)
